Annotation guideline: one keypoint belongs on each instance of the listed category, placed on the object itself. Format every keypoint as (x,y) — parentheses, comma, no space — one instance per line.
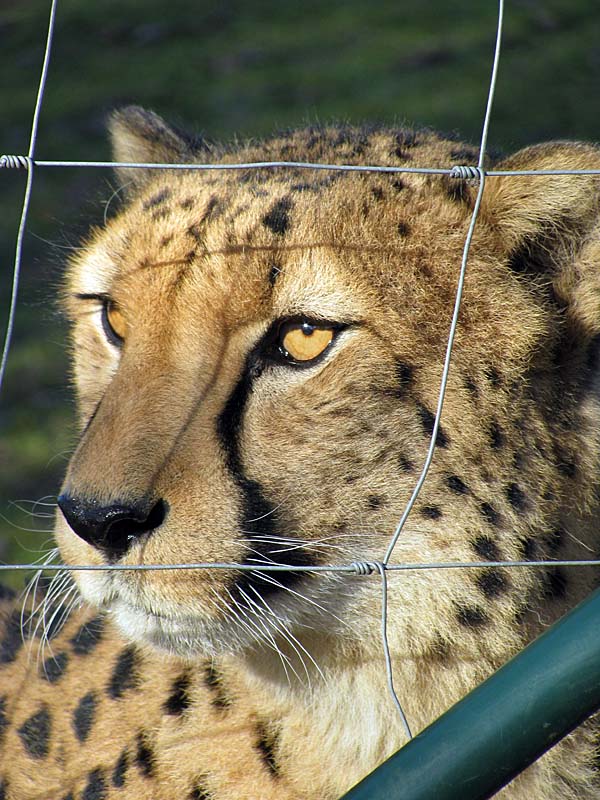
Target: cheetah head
(257,358)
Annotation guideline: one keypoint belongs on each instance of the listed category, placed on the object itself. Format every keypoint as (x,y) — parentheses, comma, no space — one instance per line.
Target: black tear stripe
(257,516)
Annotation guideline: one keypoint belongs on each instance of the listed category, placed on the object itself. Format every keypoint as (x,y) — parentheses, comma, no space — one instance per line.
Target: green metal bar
(503,725)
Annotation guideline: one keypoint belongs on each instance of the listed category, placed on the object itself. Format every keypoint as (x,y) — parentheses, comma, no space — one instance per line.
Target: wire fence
(476,173)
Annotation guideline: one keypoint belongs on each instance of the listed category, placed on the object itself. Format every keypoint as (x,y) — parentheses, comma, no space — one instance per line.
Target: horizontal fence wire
(356,567)
(454,171)
(476,174)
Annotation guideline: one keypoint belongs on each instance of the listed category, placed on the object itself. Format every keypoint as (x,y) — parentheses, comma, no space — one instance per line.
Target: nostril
(132,527)
(112,528)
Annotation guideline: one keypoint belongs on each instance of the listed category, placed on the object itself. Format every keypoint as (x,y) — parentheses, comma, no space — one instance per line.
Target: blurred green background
(235,68)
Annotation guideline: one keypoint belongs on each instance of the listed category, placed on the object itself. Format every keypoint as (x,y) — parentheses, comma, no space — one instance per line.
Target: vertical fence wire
(28,163)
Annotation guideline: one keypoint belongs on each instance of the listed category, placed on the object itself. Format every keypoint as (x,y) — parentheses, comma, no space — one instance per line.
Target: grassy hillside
(237,68)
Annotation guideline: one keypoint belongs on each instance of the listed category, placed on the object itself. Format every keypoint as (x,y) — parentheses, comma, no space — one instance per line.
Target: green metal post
(503,725)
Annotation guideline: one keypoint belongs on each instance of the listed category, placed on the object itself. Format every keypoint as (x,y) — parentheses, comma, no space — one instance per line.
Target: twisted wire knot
(465,173)
(14,162)
(367,567)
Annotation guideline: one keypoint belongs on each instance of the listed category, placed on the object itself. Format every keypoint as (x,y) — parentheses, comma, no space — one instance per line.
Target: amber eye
(304,341)
(113,323)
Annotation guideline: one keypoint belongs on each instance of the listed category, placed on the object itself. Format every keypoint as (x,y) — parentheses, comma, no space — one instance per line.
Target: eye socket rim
(113,337)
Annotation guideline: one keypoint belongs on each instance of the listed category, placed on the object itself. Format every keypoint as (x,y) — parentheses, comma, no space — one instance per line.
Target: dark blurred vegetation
(231,67)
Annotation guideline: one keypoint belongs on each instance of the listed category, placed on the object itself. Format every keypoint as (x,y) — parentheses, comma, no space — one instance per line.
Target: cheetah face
(224,395)
(257,359)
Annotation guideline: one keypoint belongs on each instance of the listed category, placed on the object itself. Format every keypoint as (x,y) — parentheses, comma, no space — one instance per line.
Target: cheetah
(257,358)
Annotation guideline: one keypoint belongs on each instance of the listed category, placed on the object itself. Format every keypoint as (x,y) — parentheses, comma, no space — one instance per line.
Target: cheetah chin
(257,358)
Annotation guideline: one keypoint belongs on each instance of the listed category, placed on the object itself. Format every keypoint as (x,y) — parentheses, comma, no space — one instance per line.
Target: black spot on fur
(120,770)
(3,718)
(212,210)
(431,512)
(161,213)
(144,757)
(12,640)
(403,229)
(492,582)
(54,667)
(195,232)
(556,583)
(214,681)
(375,501)
(567,468)
(199,791)
(489,513)
(405,374)
(96,786)
(406,465)
(125,674)
(472,617)
(179,700)
(516,496)
(528,548)
(304,186)
(187,203)
(266,744)
(157,199)
(404,140)
(472,388)
(398,184)
(427,421)
(4,789)
(465,156)
(492,374)
(83,716)
(278,218)
(35,733)
(519,461)
(88,636)
(440,651)
(456,484)
(486,548)
(377,193)
(496,436)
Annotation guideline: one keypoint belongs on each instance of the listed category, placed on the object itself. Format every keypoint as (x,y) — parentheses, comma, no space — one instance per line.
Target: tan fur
(178,698)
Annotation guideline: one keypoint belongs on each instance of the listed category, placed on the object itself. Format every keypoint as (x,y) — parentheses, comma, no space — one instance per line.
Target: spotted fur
(222,685)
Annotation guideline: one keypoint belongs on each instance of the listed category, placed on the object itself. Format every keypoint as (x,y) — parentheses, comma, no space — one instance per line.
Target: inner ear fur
(549,226)
(141,136)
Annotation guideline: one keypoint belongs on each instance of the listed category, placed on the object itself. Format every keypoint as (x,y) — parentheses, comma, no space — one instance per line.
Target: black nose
(111,529)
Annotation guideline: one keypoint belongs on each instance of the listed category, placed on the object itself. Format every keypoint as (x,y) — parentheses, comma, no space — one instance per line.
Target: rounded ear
(543,212)
(549,226)
(140,136)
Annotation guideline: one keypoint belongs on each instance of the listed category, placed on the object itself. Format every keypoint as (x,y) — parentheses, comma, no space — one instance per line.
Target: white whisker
(275,582)
(289,636)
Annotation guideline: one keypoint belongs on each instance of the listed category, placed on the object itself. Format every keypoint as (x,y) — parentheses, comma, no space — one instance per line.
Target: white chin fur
(186,636)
